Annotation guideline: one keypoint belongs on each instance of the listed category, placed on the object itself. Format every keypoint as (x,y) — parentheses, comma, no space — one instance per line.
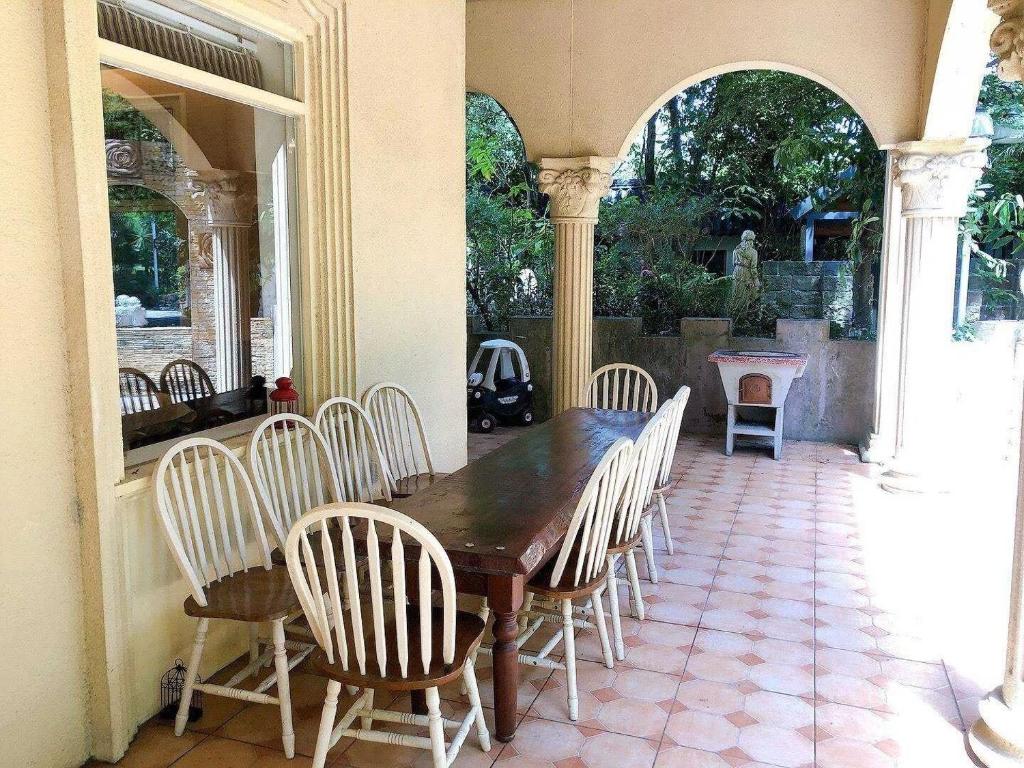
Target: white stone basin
(780,368)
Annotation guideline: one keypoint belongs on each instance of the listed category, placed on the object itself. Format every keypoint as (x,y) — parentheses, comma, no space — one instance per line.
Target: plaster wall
(580,76)
(43,708)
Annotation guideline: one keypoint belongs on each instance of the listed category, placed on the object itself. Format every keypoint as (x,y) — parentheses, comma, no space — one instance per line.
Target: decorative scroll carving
(937,179)
(204,250)
(574,186)
(226,197)
(124,158)
(1007,39)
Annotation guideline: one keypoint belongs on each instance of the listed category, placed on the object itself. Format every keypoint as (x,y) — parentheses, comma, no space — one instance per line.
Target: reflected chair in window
(403,441)
(138,391)
(621,387)
(395,640)
(664,481)
(185,380)
(212,525)
(355,451)
(578,572)
(628,528)
(290,464)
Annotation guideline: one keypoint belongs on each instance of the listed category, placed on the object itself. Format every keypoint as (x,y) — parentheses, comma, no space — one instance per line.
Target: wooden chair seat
(621,549)
(469,631)
(254,595)
(540,583)
(407,486)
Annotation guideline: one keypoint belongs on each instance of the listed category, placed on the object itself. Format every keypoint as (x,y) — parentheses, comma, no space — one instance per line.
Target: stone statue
(746,281)
(129,312)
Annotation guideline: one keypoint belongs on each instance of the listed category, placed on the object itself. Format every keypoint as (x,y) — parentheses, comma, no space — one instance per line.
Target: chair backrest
(138,391)
(355,451)
(291,468)
(586,541)
(321,595)
(185,380)
(209,512)
(621,387)
(400,431)
(645,465)
(680,398)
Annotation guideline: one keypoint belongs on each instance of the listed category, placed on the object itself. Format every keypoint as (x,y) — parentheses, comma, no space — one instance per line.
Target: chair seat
(254,595)
(469,631)
(540,583)
(407,486)
(625,546)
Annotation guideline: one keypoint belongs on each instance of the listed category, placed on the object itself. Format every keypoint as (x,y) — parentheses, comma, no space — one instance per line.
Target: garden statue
(746,282)
(129,312)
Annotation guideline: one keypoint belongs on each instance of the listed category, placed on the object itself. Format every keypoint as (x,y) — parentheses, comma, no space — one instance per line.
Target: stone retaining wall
(809,290)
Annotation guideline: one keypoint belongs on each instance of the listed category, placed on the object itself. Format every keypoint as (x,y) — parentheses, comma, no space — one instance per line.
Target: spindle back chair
(186,380)
(292,470)
(403,440)
(664,482)
(383,642)
(355,451)
(621,387)
(138,391)
(211,522)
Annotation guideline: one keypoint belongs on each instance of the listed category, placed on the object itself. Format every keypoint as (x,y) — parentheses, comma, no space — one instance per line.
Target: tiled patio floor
(806,619)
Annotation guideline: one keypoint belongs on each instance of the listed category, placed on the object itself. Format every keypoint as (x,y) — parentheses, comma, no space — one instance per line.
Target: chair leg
(613,605)
(254,647)
(569,639)
(636,598)
(597,606)
(366,722)
(436,728)
(669,545)
(647,540)
(524,620)
(181,719)
(284,694)
(323,738)
(474,701)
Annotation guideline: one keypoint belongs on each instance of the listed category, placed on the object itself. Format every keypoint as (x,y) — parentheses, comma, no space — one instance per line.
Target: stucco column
(230,212)
(575,187)
(936,179)
(880,443)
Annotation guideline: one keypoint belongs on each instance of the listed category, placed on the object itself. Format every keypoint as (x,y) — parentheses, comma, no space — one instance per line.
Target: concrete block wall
(809,290)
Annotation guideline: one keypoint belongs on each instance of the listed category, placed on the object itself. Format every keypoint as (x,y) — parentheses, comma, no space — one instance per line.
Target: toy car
(498,386)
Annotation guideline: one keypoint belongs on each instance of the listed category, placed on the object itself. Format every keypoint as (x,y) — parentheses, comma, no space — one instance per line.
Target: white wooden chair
(384,642)
(355,451)
(579,572)
(402,438)
(138,391)
(664,481)
(186,380)
(212,525)
(628,528)
(292,470)
(621,387)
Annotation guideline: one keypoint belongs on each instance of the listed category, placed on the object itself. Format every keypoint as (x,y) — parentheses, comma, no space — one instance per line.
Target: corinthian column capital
(1007,39)
(575,185)
(937,177)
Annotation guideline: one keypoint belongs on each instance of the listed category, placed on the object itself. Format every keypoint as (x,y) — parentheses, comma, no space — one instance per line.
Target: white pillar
(575,187)
(231,305)
(997,738)
(880,444)
(936,179)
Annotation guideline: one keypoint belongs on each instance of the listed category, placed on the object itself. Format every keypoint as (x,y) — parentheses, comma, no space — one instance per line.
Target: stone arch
(740,66)
(508,114)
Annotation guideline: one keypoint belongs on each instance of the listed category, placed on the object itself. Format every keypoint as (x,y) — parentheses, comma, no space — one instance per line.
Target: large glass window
(202,231)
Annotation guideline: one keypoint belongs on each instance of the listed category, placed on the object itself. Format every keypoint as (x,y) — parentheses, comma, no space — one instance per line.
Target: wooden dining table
(501,517)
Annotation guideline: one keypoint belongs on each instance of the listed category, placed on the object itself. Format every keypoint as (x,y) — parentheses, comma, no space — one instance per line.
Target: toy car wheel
(485,423)
(526,417)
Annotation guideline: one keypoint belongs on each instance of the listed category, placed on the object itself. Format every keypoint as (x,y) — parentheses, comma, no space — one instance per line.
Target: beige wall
(43,693)
(408,221)
(580,76)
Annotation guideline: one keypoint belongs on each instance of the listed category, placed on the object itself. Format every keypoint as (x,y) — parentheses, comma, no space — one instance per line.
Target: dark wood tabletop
(501,517)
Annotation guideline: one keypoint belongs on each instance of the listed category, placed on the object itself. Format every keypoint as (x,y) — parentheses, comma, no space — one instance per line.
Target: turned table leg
(505,595)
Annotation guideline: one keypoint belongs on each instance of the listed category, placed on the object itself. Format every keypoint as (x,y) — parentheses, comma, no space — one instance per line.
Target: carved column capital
(575,185)
(1007,39)
(937,178)
(226,198)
